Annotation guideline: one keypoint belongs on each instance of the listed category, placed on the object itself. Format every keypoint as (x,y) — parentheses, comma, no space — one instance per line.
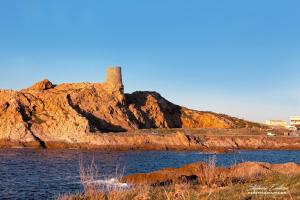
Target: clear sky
(236,57)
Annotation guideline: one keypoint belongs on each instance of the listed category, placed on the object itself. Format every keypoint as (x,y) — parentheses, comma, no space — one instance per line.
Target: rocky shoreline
(193,173)
(169,141)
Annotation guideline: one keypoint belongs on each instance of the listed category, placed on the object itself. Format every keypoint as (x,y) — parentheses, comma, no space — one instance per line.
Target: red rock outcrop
(204,173)
(151,110)
(43,85)
(74,113)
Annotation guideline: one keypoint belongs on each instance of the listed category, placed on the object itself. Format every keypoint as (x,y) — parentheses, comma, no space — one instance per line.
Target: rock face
(151,110)
(74,113)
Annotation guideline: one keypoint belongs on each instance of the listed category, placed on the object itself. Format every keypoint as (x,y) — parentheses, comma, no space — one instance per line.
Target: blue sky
(236,57)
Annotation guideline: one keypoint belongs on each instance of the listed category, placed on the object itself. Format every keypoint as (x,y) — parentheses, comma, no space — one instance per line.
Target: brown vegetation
(211,183)
(210,175)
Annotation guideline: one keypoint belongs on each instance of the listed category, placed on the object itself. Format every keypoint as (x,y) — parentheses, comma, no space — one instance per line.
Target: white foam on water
(113,183)
(205,153)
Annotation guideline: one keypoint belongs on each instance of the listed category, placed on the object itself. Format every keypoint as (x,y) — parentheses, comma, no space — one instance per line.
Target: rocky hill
(69,112)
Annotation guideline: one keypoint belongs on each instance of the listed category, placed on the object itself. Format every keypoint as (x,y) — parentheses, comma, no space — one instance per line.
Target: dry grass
(93,190)
(88,177)
(208,175)
(142,192)
(208,187)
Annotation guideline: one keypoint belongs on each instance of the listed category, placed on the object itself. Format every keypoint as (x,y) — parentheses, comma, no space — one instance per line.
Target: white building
(295,121)
(276,122)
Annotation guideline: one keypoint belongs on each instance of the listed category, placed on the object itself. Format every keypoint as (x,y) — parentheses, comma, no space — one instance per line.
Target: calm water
(44,174)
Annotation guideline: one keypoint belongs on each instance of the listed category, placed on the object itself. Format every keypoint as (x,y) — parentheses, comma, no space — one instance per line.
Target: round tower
(114,77)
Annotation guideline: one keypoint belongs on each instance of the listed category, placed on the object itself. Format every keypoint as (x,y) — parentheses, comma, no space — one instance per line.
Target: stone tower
(114,78)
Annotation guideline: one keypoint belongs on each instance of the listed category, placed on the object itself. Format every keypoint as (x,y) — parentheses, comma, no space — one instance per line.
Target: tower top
(114,77)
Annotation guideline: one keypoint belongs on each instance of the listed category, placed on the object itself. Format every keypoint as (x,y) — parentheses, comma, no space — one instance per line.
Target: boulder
(42,85)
